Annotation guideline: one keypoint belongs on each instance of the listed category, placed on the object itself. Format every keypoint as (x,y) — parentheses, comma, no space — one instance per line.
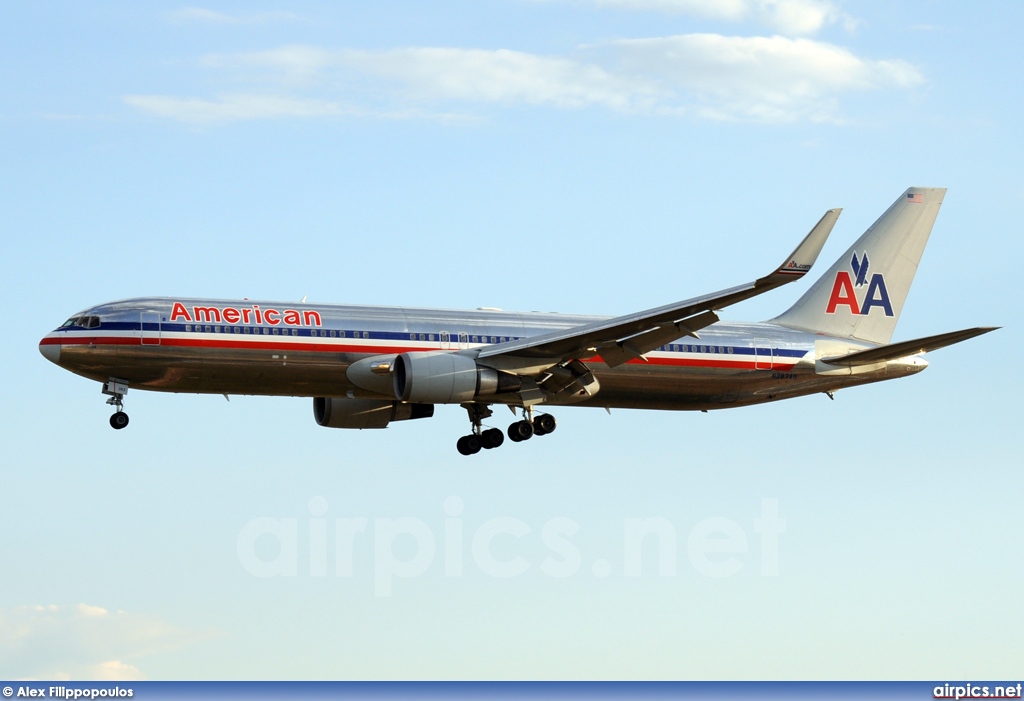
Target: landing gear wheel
(520,431)
(468,445)
(119,420)
(491,438)
(544,424)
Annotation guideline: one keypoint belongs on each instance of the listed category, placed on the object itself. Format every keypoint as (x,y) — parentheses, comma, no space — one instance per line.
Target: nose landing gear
(116,389)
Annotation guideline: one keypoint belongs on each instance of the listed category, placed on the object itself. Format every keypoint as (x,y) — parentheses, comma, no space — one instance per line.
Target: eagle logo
(860,269)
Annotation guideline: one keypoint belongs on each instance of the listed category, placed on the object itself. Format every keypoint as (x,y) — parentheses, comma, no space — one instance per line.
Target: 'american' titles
(246,315)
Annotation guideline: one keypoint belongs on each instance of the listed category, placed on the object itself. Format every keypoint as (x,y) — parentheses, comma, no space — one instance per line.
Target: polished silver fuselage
(149,344)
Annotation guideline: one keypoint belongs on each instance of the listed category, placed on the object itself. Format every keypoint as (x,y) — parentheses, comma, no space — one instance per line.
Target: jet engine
(447,378)
(342,412)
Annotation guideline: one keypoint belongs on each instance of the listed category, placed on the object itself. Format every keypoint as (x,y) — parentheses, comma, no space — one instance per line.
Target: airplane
(366,367)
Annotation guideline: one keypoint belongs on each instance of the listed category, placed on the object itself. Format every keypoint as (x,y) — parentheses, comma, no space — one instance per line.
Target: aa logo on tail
(844,289)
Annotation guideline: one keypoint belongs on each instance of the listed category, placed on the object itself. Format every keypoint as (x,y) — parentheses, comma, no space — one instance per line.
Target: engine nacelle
(447,378)
(342,412)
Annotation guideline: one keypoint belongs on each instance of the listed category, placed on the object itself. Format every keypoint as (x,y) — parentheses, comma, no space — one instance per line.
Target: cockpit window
(86,322)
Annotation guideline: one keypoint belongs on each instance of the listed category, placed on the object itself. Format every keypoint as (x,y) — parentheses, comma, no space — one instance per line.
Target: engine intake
(342,412)
(447,378)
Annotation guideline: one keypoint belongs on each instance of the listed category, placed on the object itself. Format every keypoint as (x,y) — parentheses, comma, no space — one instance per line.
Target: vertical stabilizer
(862,294)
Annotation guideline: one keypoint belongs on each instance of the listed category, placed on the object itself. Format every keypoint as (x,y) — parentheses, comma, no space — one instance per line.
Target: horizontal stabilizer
(894,351)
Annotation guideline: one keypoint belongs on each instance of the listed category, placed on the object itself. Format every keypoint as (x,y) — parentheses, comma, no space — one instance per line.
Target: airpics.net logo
(502,547)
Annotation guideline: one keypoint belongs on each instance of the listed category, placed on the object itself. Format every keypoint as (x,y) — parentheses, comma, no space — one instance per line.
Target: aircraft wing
(895,351)
(631,336)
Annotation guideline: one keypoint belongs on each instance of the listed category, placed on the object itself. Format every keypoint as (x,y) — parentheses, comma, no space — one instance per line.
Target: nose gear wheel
(115,389)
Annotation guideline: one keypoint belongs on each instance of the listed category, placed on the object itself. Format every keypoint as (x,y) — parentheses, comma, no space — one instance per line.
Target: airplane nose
(50,351)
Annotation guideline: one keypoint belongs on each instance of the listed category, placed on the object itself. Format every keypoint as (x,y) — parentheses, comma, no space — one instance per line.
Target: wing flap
(619,352)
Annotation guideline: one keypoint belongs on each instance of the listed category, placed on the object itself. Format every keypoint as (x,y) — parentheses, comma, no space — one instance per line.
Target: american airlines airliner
(366,367)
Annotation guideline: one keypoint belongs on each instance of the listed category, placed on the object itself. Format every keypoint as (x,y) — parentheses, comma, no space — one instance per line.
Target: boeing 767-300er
(365,367)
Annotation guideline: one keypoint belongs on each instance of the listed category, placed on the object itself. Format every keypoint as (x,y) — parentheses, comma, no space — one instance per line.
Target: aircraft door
(763,354)
(150,328)
(463,341)
(446,341)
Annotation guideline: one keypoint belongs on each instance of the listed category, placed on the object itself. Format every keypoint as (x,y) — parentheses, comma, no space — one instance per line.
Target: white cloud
(775,79)
(114,671)
(502,76)
(81,642)
(439,73)
(799,17)
(232,107)
(205,16)
(243,106)
(762,78)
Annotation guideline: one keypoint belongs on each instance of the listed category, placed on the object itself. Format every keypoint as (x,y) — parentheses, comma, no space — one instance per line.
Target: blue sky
(593,156)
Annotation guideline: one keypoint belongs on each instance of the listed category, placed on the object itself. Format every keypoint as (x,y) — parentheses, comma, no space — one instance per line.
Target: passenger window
(188,327)
(341,334)
(431,337)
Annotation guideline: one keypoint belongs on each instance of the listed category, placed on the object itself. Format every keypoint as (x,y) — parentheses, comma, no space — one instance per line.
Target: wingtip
(803,257)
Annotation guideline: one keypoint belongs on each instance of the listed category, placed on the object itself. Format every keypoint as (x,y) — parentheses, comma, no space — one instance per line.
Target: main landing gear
(519,431)
(116,390)
(479,438)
